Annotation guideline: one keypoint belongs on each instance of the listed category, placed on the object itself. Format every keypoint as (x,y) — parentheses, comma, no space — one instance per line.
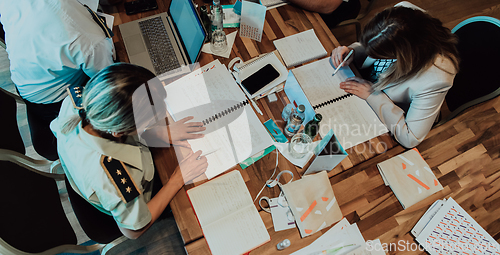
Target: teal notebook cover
(277,135)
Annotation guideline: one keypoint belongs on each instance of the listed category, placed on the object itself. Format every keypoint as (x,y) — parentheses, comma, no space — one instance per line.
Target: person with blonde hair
(101,154)
(412,62)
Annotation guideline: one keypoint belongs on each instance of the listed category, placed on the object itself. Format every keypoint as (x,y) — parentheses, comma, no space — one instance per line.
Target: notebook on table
(409,177)
(233,131)
(300,48)
(165,41)
(256,80)
(353,121)
(227,215)
(446,228)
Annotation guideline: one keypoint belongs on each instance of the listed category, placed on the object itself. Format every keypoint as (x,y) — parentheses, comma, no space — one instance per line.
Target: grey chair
(477,79)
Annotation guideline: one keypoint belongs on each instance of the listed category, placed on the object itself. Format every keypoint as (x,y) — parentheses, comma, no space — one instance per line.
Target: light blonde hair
(107,99)
(413,38)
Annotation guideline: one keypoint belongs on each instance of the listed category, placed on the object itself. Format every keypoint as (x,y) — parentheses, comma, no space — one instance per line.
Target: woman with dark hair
(101,154)
(413,60)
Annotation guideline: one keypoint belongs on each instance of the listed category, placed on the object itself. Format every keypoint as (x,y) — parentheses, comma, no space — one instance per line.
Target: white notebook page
(236,135)
(353,121)
(230,222)
(453,231)
(300,48)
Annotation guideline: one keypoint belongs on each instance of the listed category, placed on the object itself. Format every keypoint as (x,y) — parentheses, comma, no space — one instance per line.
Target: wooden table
(280,22)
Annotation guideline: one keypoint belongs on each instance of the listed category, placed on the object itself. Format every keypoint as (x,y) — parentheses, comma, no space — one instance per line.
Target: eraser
(272,97)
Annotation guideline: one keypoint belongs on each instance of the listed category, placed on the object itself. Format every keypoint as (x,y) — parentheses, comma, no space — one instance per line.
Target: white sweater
(409,109)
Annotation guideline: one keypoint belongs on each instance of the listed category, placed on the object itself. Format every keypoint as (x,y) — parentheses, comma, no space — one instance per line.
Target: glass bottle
(219,41)
(312,127)
(207,22)
(285,114)
(295,121)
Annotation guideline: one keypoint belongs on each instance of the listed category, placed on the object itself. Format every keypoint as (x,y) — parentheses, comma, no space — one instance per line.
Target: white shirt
(80,154)
(51,45)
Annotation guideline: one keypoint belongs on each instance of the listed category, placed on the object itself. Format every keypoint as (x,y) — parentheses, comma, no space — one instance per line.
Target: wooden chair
(477,79)
(33,219)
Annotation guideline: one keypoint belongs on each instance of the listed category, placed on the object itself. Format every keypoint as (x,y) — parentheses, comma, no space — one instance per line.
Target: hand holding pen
(341,56)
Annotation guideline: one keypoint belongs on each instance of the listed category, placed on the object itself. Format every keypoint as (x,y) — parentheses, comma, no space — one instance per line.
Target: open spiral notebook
(233,131)
(353,121)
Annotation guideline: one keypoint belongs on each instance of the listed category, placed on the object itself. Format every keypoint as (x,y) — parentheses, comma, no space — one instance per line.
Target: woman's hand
(357,86)
(338,55)
(189,168)
(182,130)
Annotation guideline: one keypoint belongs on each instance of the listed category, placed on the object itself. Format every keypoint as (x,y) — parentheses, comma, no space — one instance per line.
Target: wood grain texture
(463,153)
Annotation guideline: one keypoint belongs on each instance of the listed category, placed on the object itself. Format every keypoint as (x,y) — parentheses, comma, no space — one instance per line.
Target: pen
(251,100)
(275,89)
(208,153)
(343,61)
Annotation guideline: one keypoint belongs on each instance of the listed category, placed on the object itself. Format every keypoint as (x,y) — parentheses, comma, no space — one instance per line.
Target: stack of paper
(446,228)
(343,238)
(409,177)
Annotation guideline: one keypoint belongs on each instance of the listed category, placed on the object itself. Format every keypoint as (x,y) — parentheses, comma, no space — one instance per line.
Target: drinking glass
(219,42)
(300,145)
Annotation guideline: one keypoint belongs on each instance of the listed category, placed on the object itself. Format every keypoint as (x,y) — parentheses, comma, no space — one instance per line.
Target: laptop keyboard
(158,44)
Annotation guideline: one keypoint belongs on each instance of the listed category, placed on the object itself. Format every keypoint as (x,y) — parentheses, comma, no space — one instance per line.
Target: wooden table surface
(463,154)
(280,22)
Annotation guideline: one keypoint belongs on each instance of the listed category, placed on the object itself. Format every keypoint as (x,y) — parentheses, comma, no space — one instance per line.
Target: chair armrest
(28,163)
(56,167)
(108,247)
(7,249)
(15,96)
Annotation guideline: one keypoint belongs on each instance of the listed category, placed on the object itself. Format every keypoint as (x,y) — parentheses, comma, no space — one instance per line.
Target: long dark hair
(412,37)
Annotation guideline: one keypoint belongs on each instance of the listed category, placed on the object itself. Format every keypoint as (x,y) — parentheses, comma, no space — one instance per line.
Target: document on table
(229,220)
(300,48)
(353,121)
(233,132)
(345,238)
(253,17)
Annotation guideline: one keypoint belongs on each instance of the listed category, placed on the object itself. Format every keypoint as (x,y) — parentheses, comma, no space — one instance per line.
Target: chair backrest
(477,79)
(98,226)
(11,138)
(32,217)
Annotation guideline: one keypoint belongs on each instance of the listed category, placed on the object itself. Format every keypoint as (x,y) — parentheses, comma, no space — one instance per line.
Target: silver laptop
(165,41)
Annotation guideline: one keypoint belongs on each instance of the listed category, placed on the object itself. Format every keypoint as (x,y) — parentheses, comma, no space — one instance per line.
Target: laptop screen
(189,26)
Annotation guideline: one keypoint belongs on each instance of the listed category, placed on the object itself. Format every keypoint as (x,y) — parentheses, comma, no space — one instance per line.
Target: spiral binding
(224,112)
(332,101)
(255,61)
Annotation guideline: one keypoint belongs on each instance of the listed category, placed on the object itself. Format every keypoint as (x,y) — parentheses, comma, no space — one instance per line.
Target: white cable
(270,179)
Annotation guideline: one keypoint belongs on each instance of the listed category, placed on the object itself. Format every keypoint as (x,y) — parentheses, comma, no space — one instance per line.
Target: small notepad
(409,177)
(300,48)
